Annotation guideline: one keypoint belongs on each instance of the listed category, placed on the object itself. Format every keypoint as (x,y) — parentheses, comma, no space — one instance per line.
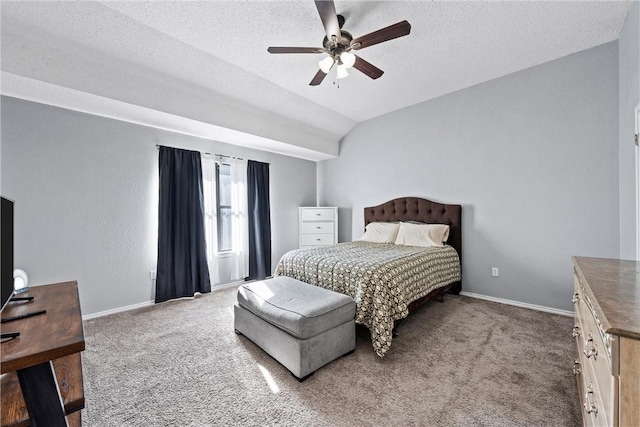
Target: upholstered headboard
(423,210)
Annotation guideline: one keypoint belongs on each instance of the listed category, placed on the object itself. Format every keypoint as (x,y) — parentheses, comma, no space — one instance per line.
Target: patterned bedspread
(382,278)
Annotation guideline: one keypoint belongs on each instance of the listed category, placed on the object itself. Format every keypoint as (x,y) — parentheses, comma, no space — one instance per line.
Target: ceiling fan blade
(367,68)
(327,11)
(389,33)
(295,50)
(318,78)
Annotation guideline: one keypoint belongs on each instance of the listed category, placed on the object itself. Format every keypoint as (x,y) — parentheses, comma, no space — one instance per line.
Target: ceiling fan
(338,44)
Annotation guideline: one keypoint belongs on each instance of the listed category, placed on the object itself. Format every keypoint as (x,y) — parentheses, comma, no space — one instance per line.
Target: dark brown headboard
(423,210)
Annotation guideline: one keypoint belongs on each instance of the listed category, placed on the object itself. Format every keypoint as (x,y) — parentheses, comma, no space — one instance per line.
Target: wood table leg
(41,395)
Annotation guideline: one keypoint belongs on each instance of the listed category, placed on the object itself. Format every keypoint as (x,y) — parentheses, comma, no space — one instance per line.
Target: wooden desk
(45,358)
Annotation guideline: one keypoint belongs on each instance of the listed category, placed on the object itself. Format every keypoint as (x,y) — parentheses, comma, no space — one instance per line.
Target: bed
(387,281)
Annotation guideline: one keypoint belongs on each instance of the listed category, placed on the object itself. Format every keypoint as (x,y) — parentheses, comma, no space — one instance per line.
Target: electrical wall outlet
(152,275)
(495,271)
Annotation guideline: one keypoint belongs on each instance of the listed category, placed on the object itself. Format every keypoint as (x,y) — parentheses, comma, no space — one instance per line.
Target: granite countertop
(615,285)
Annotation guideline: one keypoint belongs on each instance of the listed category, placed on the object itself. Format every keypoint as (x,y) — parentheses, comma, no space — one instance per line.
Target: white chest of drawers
(318,226)
(607,340)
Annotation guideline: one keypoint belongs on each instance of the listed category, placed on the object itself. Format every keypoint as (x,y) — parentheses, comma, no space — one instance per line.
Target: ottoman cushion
(301,309)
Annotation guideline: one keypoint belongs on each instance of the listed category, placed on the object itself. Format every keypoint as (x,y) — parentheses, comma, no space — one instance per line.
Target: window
(223,207)
(226,228)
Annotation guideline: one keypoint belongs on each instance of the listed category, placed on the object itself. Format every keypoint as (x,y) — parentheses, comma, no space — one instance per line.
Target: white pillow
(381,232)
(427,235)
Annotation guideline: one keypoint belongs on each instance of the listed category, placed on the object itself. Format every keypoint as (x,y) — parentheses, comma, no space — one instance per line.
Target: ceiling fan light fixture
(341,71)
(348,59)
(338,44)
(326,64)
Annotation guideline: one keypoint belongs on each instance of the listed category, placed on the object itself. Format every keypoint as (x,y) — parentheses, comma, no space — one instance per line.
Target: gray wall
(532,157)
(629,51)
(86,198)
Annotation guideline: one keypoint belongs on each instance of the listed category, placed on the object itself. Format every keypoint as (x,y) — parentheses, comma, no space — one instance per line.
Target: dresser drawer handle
(576,298)
(576,368)
(591,407)
(576,331)
(590,348)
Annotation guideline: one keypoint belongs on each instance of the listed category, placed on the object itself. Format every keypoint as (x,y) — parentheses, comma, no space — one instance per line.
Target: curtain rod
(231,157)
(208,154)
(158,146)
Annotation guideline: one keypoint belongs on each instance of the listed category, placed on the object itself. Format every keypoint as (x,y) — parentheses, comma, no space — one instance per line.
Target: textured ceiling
(221,47)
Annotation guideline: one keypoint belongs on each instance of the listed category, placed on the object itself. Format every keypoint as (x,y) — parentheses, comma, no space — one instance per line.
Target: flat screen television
(6,250)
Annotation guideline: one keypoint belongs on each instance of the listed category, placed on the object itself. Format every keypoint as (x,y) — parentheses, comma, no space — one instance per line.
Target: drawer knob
(576,298)
(576,368)
(590,407)
(318,228)
(576,331)
(590,348)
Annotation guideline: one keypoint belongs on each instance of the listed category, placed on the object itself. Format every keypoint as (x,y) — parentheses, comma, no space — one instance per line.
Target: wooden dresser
(318,226)
(607,340)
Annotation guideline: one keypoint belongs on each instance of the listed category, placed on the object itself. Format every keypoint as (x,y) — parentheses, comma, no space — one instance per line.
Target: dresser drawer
(317,239)
(592,411)
(582,379)
(598,388)
(590,326)
(318,214)
(595,361)
(317,227)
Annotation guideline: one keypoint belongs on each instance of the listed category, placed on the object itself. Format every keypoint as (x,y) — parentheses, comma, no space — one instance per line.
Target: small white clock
(20,281)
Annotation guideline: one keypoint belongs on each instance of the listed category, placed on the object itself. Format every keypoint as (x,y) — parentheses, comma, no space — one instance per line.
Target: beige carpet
(463,362)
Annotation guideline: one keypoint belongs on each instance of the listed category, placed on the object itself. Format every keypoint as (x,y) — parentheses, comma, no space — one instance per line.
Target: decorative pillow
(381,232)
(427,235)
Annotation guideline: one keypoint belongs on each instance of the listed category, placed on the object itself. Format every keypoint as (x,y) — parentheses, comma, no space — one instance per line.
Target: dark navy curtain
(182,256)
(259,220)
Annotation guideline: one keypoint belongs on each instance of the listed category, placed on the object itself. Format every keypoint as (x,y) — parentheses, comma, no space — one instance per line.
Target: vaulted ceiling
(202,67)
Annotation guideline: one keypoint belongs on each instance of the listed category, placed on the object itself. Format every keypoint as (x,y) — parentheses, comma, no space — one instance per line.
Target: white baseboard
(118,310)
(226,285)
(519,304)
(467,294)
(148,303)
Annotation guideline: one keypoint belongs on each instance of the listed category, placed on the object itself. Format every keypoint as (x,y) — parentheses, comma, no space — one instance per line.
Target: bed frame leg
(396,325)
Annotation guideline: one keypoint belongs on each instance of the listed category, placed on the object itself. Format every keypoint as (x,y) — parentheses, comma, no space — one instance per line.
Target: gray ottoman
(302,326)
